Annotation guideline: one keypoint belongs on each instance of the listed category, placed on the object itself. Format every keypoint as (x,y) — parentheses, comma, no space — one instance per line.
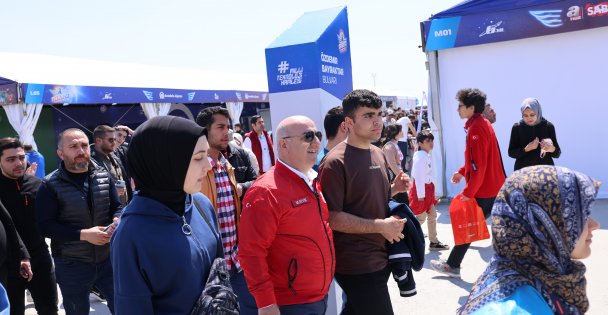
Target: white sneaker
(442,266)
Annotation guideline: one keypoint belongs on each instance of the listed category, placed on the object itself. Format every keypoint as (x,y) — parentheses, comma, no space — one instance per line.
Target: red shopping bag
(468,222)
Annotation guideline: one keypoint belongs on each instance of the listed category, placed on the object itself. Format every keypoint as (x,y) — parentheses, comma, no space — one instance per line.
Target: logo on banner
(342,42)
(575,13)
(492,29)
(149,95)
(161,95)
(283,67)
(252,96)
(191,96)
(264,96)
(549,18)
(238,96)
(215,96)
(35,93)
(107,96)
(63,94)
(599,9)
(289,76)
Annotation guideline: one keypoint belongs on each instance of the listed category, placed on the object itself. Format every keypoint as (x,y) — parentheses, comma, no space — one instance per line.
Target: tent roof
(47,69)
(470,7)
(308,28)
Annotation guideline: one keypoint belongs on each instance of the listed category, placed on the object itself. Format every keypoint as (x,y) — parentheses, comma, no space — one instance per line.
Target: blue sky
(220,35)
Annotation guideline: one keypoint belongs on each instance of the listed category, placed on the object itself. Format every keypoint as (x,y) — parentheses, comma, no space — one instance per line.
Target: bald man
(286,244)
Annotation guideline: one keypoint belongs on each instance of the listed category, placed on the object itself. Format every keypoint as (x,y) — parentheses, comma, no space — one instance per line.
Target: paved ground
(443,295)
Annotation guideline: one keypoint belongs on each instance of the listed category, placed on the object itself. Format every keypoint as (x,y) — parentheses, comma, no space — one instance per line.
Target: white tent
(565,71)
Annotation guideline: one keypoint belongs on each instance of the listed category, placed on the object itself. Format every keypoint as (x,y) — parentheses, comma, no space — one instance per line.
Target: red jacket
(286,246)
(482,170)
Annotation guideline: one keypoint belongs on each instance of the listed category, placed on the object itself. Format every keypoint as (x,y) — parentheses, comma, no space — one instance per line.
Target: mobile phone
(120,184)
(109,227)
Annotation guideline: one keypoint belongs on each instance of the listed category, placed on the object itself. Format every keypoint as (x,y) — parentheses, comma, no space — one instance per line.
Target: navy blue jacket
(158,269)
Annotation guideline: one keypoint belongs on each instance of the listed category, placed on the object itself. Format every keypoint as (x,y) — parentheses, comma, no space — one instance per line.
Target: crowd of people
(140,216)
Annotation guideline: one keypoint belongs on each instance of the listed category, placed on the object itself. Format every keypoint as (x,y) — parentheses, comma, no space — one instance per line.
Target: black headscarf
(158,158)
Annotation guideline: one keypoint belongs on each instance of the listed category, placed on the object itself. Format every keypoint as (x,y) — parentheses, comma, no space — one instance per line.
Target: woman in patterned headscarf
(533,140)
(541,226)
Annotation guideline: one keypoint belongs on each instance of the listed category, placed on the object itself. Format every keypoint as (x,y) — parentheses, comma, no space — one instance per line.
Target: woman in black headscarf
(162,250)
(533,140)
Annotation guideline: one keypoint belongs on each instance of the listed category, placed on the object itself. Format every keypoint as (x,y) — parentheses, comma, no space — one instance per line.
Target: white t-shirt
(404,121)
(422,171)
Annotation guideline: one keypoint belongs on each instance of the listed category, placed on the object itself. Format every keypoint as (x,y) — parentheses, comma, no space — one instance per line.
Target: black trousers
(43,286)
(403,146)
(458,252)
(367,293)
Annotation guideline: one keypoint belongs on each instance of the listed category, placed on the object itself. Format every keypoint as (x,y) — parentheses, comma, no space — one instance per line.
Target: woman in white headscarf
(533,140)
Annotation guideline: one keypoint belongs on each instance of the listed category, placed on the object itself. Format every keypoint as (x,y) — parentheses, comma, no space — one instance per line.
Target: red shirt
(482,168)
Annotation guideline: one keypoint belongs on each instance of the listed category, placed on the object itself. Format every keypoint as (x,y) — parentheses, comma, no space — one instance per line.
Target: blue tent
(476,22)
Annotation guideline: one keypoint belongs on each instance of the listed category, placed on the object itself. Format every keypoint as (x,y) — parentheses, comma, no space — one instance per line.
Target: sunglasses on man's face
(309,136)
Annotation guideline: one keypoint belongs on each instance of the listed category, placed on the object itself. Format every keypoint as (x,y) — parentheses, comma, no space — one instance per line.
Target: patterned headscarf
(533,105)
(538,216)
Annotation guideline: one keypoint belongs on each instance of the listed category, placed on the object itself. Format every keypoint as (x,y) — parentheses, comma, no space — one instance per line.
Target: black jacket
(19,198)
(243,171)
(522,134)
(65,207)
(97,159)
(12,248)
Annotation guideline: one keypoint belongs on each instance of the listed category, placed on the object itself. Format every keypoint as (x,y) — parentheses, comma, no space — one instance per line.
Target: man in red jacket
(482,168)
(259,142)
(286,245)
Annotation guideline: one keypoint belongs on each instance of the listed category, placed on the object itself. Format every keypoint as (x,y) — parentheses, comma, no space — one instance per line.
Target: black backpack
(217,297)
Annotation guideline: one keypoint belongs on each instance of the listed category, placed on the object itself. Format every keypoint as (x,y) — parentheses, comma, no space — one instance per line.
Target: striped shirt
(226,212)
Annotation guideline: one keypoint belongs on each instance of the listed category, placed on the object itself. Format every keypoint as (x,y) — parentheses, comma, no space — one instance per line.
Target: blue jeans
(76,279)
(316,308)
(246,301)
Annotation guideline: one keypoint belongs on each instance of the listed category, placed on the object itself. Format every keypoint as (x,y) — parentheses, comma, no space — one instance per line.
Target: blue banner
(523,22)
(313,53)
(74,94)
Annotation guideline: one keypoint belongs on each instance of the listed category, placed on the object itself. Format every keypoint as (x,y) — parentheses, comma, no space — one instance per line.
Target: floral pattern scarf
(537,218)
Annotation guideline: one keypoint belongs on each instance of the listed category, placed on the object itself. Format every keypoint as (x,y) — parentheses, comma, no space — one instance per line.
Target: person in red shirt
(286,246)
(482,170)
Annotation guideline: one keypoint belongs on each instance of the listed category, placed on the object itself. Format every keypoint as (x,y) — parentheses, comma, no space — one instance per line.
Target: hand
(239,190)
(269,310)
(456,177)
(95,235)
(391,228)
(121,191)
(25,270)
(32,169)
(547,145)
(532,145)
(401,183)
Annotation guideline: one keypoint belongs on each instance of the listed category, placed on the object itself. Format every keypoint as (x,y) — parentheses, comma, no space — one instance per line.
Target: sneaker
(442,266)
(438,246)
(97,294)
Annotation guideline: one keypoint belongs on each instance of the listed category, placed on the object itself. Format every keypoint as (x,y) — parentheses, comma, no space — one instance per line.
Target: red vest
(256,147)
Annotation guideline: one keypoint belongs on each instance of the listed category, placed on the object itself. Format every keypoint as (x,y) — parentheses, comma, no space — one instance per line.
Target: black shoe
(438,246)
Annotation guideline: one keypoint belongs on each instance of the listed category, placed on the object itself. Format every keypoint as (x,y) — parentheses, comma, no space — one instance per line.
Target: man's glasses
(309,136)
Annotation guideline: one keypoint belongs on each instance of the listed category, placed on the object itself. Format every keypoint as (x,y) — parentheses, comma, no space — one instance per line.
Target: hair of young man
(9,143)
(254,119)
(238,125)
(392,131)
(123,128)
(205,117)
(360,98)
(101,130)
(61,134)
(472,97)
(424,135)
(333,119)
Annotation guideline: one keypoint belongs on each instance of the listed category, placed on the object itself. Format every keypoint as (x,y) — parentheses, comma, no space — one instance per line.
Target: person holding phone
(533,139)
(102,154)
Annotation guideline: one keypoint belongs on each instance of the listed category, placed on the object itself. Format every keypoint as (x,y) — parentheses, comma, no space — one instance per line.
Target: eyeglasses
(309,136)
